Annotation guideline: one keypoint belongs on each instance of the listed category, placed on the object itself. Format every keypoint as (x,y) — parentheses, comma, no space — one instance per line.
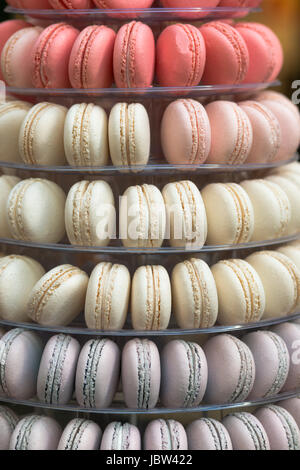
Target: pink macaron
(7,29)
(185,133)
(8,422)
(134,56)
(292,405)
(80,434)
(31,4)
(36,433)
(246,432)
(290,333)
(180,56)
(280,426)
(165,435)
(208,434)
(231,133)
(50,56)
(265,52)
(71,4)
(91,60)
(119,436)
(227,56)
(122,4)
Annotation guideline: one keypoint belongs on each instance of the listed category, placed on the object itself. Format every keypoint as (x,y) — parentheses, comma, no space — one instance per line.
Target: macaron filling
(32,120)
(103,303)
(144,373)
(5,345)
(55,371)
(91,371)
(217,433)
(199,149)
(283,365)
(292,432)
(121,437)
(170,436)
(75,436)
(80,134)
(22,439)
(246,376)
(195,374)
(255,431)
(201,297)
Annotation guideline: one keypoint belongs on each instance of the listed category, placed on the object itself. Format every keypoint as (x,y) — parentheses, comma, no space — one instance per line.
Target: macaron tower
(149,229)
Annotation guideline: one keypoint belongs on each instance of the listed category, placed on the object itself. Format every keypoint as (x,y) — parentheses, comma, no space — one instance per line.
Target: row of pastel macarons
(179,214)
(181,375)
(184,56)
(272,427)
(223,132)
(231,292)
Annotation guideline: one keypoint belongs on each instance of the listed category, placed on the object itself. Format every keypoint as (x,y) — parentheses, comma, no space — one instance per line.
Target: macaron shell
(7,29)
(36,433)
(246,432)
(292,405)
(33,4)
(118,436)
(71,4)
(281,428)
(165,435)
(12,115)
(208,434)
(292,252)
(290,333)
(8,422)
(6,185)
(80,434)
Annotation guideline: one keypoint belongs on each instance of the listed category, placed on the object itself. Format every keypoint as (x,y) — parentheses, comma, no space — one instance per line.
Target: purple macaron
(246,432)
(208,434)
(118,436)
(280,426)
(36,433)
(165,435)
(80,434)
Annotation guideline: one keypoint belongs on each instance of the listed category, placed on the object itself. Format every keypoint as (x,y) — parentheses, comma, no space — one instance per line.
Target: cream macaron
(41,138)
(194,294)
(292,251)
(230,214)
(272,209)
(59,296)
(186,216)
(129,134)
(240,292)
(142,217)
(35,211)
(151,298)
(90,216)
(6,185)
(12,115)
(18,275)
(107,297)
(281,281)
(86,135)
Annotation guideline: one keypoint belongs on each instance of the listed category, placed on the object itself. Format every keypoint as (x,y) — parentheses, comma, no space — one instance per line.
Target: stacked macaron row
(232,292)
(97,57)
(183,375)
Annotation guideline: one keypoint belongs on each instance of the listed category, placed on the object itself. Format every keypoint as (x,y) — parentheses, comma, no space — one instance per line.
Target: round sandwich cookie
(96,383)
(107,297)
(55,384)
(41,138)
(208,434)
(8,422)
(194,295)
(129,134)
(231,370)
(7,183)
(185,133)
(119,436)
(142,217)
(240,292)
(184,374)
(12,115)
(141,374)
(246,432)
(272,209)
(36,433)
(134,56)
(91,59)
(80,434)
(151,298)
(20,356)
(18,276)
(281,281)
(186,214)
(50,56)
(229,212)
(59,296)
(290,334)
(280,426)
(7,29)
(35,211)
(180,56)
(292,251)
(90,216)
(271,95)
(231,133)
(292,405)
(272,363)
(165,435)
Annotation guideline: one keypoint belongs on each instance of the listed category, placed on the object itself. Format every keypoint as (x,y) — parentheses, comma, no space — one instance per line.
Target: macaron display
(165,435)
(12,115)
(280,426)
(59,296)
(246,432)
(208,434)
(80,434)
(36,433)
(119,436)
(8,422)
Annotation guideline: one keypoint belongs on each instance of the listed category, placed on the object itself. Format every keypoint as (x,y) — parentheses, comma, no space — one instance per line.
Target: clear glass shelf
(79,329)
(73,407)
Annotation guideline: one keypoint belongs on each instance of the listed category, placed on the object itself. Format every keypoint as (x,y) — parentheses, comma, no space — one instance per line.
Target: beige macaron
(151,298)
(194,294)
(18,275)
(90,215)
(240,292)
(107,297)
(41,138)
(281,280)
(129,134)
(292,251)
(6,185)
(186,216)
(142,217)
(59,296)
(272,209)
(86,135)
(12,115)
(35,211)
(230,214)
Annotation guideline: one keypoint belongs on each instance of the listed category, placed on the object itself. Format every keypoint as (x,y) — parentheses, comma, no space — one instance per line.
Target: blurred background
(283,16)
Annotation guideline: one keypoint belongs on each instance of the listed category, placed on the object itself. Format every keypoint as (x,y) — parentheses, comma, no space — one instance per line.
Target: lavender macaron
(165,435)
(292,405)
(184,374)
(80,434)
(246,432)
(280,426)
(55,384)
(36,433)
(8,422)
(208,434)
(141,373)
(290,333)
(98,373)
(118,436)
